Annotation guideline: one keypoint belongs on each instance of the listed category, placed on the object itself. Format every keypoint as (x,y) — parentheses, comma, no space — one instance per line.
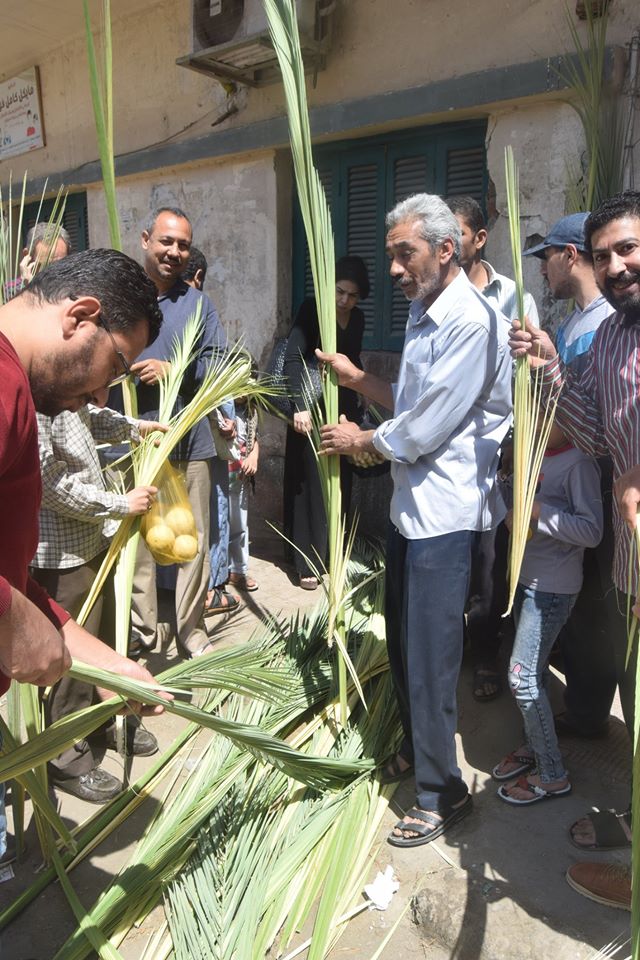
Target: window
(365,178)
(74,219)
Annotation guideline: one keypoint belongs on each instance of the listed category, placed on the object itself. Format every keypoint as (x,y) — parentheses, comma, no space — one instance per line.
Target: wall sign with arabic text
(21,127)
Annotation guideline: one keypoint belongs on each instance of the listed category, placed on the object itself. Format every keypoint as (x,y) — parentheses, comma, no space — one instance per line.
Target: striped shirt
(600,412)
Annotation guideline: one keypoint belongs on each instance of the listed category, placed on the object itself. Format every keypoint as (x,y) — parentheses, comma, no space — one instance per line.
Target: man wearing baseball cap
(585,643)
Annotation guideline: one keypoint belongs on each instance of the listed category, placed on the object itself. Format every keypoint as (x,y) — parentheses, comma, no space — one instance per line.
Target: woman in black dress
(305,519)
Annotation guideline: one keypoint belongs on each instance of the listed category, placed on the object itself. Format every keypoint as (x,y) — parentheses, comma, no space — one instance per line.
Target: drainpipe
(632,96)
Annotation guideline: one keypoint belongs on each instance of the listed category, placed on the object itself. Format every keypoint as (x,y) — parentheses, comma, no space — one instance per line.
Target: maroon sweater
(20,490)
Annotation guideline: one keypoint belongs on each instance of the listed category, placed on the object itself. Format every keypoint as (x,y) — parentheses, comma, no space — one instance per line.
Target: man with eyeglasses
(78,518)
(56,355)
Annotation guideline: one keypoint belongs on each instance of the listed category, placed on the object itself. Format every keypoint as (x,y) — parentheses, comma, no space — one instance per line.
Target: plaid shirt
(79,516)
(599,410)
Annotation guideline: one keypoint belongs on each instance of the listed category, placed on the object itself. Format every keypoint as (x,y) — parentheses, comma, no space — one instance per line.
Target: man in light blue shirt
(452,409)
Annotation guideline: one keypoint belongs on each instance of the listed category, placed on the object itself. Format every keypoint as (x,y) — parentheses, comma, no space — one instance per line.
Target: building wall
(416,42)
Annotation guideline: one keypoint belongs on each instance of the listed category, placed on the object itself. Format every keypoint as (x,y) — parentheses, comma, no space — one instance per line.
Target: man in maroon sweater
(63,341)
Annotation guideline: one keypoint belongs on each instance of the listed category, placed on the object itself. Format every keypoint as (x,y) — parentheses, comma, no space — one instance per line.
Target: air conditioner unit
(230,39)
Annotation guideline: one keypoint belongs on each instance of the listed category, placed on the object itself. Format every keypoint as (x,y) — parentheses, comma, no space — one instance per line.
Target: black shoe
(10,855)
(97,786)
(139,742)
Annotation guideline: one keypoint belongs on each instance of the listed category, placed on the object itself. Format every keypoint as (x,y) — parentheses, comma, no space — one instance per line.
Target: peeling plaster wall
(545,138)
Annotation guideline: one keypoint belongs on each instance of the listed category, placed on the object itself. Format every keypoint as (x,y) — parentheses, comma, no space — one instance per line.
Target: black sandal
(221,602)
(608,829)
(392,772)
(431,826)
(481,677)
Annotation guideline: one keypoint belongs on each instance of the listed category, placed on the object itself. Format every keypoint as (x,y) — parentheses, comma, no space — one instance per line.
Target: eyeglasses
(127,369)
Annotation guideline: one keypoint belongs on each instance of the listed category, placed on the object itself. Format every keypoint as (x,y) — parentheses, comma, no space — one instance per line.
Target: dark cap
(567,230)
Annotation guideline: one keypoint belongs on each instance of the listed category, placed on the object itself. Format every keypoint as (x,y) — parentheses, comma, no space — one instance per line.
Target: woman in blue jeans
(566,518)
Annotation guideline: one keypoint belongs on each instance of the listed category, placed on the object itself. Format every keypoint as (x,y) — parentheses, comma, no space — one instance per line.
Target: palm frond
(532,414)
(283,29)
(600,113)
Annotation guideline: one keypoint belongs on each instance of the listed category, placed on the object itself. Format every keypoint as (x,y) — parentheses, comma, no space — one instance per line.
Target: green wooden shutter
(364,232)
(74,220)
(466,173)
(409,172)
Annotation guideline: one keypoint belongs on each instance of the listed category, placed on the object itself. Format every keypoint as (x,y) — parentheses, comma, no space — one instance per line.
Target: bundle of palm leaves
(277,846)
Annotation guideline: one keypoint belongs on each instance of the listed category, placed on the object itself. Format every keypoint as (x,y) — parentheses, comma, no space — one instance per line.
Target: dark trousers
(427,582)
(69,588)
(487,595)
(625,676)
(586,640)
(305,519)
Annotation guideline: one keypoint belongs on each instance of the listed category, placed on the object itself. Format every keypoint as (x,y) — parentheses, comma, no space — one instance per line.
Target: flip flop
(525,764)
(608,829)
(537,793)
(431,827)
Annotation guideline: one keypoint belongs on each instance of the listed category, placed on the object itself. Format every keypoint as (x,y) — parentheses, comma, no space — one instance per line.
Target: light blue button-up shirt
(452,409)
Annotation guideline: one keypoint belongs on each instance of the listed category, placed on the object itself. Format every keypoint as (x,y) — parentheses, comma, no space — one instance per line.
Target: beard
(56,378)
(627,304)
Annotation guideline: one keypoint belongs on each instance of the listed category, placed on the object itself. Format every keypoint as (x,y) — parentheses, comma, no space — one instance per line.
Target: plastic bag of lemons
(169,528)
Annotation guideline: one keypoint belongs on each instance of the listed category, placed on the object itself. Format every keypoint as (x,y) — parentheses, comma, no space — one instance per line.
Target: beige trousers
(192,579)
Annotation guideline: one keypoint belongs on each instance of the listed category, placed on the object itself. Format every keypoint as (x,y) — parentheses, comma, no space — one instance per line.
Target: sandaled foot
(219,601)
(242,581)
(487,684)
(422,826)
(602,830)
(514,764)
(527,790)
(308,583)
(396,769)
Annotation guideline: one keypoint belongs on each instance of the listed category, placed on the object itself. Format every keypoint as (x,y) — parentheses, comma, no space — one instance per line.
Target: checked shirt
(79,516)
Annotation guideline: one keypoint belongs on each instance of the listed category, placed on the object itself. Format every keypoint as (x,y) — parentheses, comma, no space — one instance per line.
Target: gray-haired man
(451,410)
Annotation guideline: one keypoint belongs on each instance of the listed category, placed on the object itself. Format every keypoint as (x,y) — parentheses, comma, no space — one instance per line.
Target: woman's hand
(302,421)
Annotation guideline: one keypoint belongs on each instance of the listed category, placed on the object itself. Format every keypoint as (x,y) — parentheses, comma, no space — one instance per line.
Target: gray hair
(437,222)
(45,232)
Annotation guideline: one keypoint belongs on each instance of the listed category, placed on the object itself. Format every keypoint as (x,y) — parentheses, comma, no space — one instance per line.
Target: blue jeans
(539,618)
(219,523)
(427,582)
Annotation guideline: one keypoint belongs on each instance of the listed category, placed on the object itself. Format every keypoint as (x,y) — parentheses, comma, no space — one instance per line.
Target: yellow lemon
(185,548)
(160,538)
(180,519)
